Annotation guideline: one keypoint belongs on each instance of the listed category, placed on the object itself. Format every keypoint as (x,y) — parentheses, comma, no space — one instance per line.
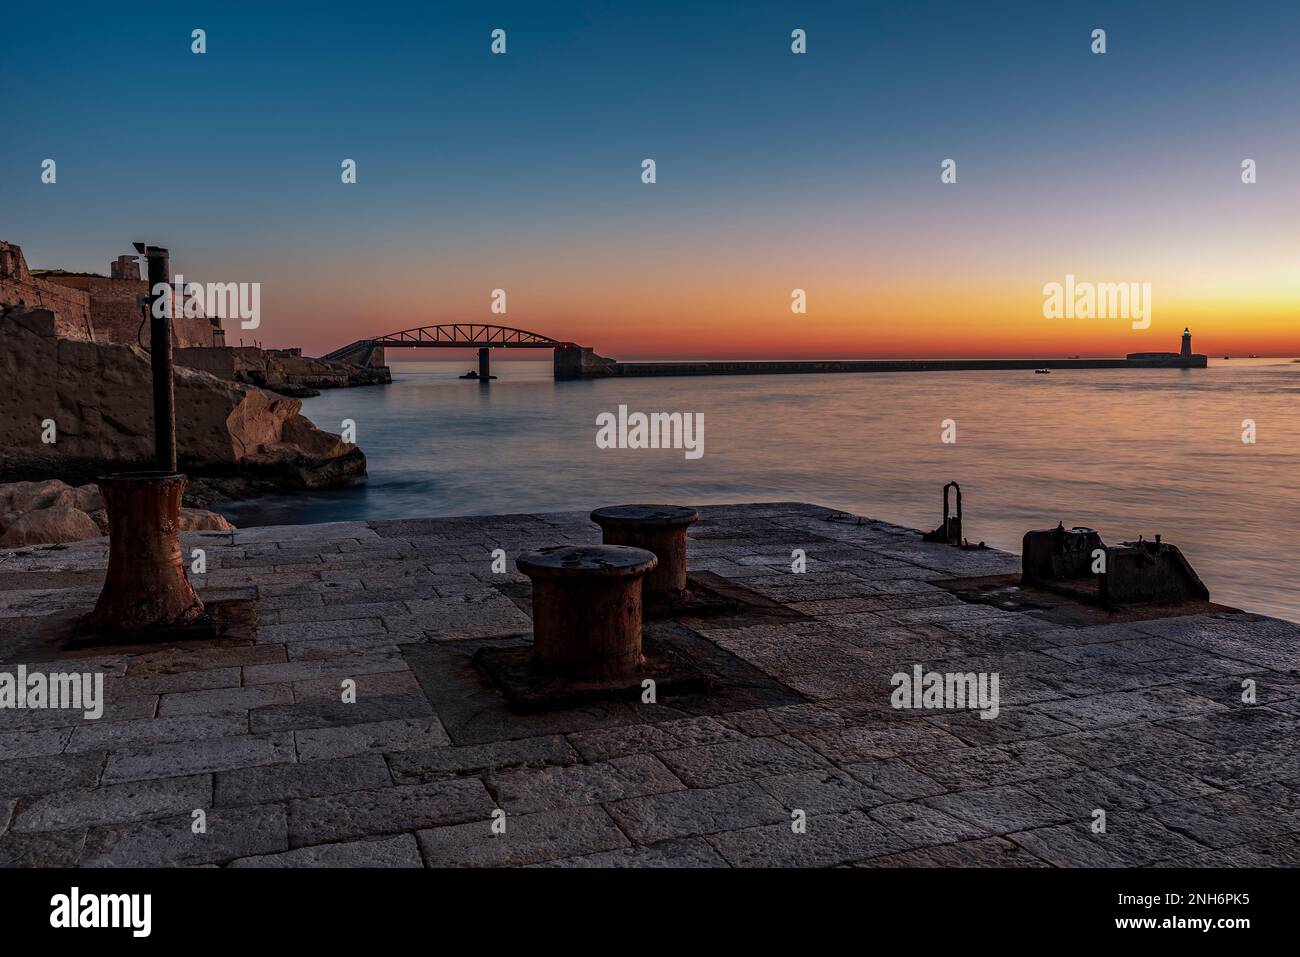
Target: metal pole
(160,358)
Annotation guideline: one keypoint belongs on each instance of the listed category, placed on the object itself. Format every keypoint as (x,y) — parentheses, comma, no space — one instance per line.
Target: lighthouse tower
(1187,343)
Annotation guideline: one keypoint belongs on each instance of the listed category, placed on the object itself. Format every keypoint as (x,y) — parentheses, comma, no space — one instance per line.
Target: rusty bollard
(656,528)
(587,610)
(146,587)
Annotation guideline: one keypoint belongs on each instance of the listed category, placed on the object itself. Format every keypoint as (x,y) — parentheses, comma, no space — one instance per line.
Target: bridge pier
(483,371)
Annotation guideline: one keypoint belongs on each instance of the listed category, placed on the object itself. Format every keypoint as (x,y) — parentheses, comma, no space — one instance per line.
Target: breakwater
(797,366)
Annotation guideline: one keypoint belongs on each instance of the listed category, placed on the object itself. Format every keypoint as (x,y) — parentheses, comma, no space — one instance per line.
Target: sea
(1207,458)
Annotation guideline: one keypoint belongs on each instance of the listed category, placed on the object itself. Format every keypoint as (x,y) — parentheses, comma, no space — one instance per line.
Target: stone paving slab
(696,811)
(422,766)
(691,852)
(798,758)
(526,839)
(741,759)
(27,744)
(115,803)
(315,744)
(1131,839)
(280,782)
(188,757)
(229,833)
(985,852)
(830,839)
(42,849)
(399,851)
(524,791)
(116,735)
(236,700)
(39,775)
(388,810)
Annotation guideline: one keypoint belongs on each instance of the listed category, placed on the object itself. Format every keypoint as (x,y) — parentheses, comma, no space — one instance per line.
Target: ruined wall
(196,333)
(13,265)
(18,287)
(90,307)
(115,313)
(114,309)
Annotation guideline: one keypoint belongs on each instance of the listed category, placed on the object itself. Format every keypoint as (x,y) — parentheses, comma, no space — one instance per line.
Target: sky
(775,171)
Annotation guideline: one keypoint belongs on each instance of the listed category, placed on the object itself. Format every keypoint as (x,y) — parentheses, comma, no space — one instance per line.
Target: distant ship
(1042,372)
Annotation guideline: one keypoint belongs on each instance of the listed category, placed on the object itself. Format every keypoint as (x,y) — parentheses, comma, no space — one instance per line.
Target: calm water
(1126,452)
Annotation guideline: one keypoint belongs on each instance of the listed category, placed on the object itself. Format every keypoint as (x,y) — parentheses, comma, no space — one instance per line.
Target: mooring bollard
(587,609)
(146,587)
(656,528)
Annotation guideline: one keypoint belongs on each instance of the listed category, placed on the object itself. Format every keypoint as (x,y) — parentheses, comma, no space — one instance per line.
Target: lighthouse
(1184,359)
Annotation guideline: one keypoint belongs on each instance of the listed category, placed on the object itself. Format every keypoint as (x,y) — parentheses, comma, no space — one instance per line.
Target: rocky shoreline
(53,512)
(73,410)
(286,372)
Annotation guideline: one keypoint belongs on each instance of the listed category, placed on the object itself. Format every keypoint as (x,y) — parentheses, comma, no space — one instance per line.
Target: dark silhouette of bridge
(464,335)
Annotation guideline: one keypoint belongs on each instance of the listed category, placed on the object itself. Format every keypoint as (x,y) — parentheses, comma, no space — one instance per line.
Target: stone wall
(115,313)
(90,307)
(18,287)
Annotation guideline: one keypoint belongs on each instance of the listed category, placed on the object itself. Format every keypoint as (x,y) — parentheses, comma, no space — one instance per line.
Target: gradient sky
(775,171)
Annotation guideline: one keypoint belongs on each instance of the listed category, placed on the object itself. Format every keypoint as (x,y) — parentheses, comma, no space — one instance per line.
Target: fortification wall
(114,305)
(89,307)
(18,287)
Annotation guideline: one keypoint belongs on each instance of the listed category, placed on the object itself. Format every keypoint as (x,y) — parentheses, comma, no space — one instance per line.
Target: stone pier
(1142,717)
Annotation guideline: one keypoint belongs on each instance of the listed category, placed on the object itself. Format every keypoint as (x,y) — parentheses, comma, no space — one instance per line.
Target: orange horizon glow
(894,325)
(943,290)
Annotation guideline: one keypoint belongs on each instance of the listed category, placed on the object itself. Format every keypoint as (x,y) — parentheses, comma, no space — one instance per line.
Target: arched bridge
(572,361)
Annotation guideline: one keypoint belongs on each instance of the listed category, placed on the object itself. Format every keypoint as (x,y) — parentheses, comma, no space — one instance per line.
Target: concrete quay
(1142,719)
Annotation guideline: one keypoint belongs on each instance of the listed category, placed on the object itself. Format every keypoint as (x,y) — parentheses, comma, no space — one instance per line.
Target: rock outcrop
(51,512)
(285,371)
(76,409)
